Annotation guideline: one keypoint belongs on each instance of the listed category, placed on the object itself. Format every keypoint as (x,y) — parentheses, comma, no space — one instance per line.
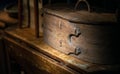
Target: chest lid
(80,16)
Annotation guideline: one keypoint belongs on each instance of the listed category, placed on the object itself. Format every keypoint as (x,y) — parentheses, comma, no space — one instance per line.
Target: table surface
(27,35)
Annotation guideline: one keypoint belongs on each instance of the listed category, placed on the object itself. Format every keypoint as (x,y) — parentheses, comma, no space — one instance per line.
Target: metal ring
(78,2)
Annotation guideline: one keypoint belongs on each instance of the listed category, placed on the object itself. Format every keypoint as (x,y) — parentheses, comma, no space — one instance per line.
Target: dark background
(101,3)
(4,3)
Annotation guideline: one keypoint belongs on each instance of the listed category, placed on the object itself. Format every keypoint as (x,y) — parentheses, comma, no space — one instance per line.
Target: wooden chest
(89,36)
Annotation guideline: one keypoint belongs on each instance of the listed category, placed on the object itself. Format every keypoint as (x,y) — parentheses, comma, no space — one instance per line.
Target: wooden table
(36,57)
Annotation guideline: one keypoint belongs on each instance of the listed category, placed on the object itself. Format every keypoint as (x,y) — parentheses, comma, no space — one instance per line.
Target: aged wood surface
(27,38)
(88,42)
(29,14)
(4,60)
(89,36)
(36,59)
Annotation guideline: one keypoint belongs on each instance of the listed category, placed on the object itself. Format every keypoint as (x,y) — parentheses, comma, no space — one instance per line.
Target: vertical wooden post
(36,17)
(29,15)
(41,17)
(20,10)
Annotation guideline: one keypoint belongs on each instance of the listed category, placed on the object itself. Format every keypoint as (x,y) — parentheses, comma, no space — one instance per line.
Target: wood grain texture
(89,36)
(35,59)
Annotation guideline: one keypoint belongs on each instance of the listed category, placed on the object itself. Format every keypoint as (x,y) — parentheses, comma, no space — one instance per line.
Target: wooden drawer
(33,60)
